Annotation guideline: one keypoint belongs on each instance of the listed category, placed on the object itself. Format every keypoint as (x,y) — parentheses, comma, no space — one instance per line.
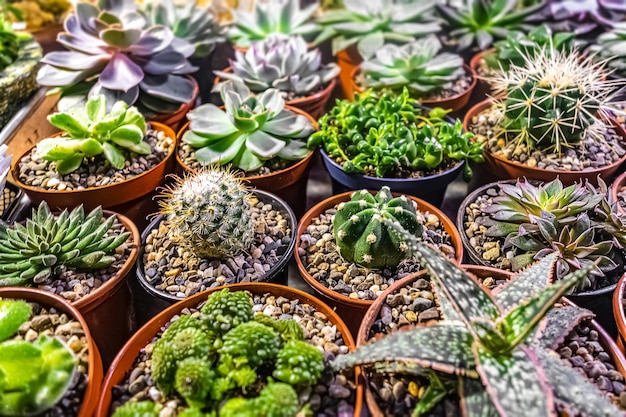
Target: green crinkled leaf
(475,401)
(13,313)
(96,107)
(69,165)
(113,155)
(21,363)
(90,147)
(444,348)
(70,124)
(129,133)
(560,321)
(574,389)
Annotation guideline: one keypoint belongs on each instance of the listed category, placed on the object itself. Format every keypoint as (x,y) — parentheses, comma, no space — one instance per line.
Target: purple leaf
(172,88)
(121,74)
(50,76)
(165,62)
(121,38)
(91,46)
(183,47)
(153,40)
(74,60)
(113,96)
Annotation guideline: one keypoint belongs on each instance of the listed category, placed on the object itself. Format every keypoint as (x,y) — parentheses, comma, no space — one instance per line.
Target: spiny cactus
(225,310)
(554,101)
(37,250)
(252,341)
(361,235)
(193,381)
(299,363)
(210,213)
(488,341)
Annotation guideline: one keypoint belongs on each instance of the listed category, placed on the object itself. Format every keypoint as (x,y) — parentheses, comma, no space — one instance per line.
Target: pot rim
(618,183)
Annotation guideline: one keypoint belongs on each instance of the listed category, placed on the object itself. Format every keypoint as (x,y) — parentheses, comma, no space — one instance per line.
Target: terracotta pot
(348,59)
(126,357)
(618,312)
(503,168)
(481,272)
(314,105)
(617,185)
(482,90)
(288,184)
(177,119)
(47,37)
(352,310)
(95,372)
(106,195)
(455,103)
(150,301)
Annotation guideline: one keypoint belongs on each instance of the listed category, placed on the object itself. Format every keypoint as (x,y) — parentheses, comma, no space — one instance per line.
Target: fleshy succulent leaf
(560,321)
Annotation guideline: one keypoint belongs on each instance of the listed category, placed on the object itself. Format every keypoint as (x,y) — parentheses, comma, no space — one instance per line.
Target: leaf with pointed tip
(403,368)
(514,382)
(574,389)
(444,348)
(475,401)
(560,321)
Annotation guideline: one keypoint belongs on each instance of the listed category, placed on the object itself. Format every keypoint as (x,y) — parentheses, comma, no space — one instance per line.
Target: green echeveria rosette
(364,238)
(252,341)
(225,310)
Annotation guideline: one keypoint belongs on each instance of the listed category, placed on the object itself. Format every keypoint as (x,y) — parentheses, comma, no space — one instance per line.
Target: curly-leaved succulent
(282,63)
(251,130)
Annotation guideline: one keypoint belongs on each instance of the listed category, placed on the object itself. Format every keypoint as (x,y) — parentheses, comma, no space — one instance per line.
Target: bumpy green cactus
(299,363)
(253,341)
(138,409)
(238,407)
(210,213)
(193,381)
(277,400)
(225,310)
(287,329)
(194,412)
(361,235)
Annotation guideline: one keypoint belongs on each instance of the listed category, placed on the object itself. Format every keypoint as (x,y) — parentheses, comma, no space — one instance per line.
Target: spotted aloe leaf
(515,383)
(560,321)
(574,389)
(403,368)
(444,348)
(475,401)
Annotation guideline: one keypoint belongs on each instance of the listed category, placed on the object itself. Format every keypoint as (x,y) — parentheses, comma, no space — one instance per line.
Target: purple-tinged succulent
(113,51)
(582,16)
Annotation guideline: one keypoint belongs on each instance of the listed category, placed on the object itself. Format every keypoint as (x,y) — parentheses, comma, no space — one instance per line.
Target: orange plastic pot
(177,118)
(618,312)
(106,195)
(353,310)
(348,59)
(288,184)
(454,103)
(127,356)
(482,89)
(314,105)
(619,182)
(502,168)
(47,37)
(95,372)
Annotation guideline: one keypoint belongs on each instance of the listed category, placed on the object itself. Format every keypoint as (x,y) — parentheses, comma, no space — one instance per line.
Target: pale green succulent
(282,63)
(249,131)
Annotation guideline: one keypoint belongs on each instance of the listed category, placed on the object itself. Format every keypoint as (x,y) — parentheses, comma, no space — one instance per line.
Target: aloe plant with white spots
(499,347)
(251,129)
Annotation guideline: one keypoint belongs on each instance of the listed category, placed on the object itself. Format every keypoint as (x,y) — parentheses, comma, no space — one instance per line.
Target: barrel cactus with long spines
(210,213)
(361,234)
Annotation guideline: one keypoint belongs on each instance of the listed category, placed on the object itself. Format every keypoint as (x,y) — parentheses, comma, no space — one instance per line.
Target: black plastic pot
(149,301)
(11,203)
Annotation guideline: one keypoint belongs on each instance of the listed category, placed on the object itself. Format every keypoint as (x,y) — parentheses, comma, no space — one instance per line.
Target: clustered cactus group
(227,351)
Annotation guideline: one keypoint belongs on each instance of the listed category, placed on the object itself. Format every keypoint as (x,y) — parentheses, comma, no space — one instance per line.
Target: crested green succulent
(299,363)
(273,17)
(288,329)
(34,376)
(225,310)
(210,212)
(277,400)
(249,131)
(370,24)
(360,231)
(93,131)
(137,409)
(489,343)
(479,22)
(193,381)
(194,412)
(417,65)
(251,342)
(40,249)
(282,63)
(554,101)
(237,407)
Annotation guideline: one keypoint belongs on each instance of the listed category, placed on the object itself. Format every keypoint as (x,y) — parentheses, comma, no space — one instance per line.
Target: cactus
(137,409)
(210,212)
(299,363)
(225,310)
(489,341)
(193,381)
(554,101)
(253,342)
(36,251)
(287,329)
(277,400)
(361,235)
(237,407)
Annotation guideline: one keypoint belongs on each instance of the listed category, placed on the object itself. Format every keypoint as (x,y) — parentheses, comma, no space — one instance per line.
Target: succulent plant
(582,17)
(498,347)
(272,17)
(138,408)
(387,135)
(282,63)
(369,25)
(554,101)
(193,381)
(93,131)
(361,234)
(249,131)
(479,22)
(277,400)
(253,342)
(34,376)
(610,48)
(192,23)
(299,363)
(289,329)
(48,243)
(9,43)
(417,65)
(225,310)
(210,213)
(113,51)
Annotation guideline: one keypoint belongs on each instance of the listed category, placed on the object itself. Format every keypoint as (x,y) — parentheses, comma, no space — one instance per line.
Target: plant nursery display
(584,18)
(39,14)
(488,343)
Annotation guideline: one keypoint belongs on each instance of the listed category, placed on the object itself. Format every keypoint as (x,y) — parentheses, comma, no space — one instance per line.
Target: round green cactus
(238,407)
(253,341)
(190,343)
(225,310)
(299,363)
(363,237)
(277,399)
(193,381)
(137,409)
(210,213)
